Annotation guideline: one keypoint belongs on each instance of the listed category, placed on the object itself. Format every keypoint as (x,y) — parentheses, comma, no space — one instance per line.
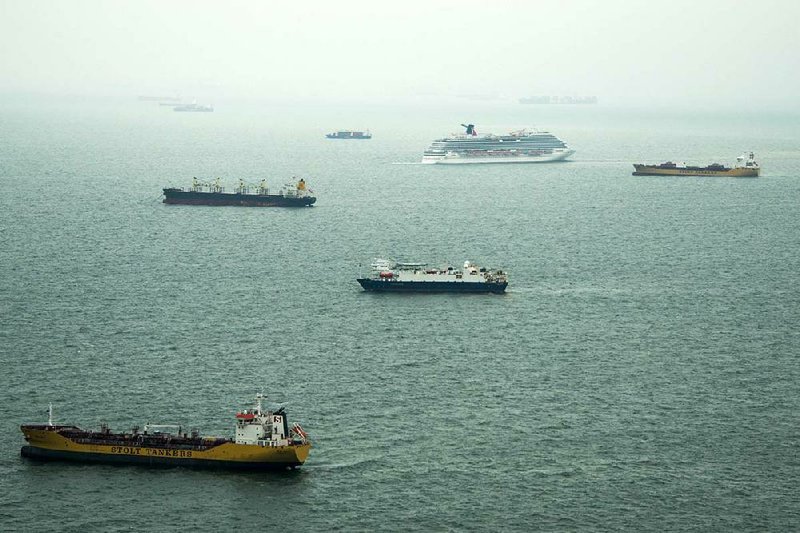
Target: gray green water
(640,374)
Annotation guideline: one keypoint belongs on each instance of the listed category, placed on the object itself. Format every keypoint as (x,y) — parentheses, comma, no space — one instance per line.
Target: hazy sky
(663,52)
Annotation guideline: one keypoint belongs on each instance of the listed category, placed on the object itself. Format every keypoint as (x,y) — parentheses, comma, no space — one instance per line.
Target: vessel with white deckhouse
(248,195)
(392,276)
(263,440)
(745,167)
(522,146)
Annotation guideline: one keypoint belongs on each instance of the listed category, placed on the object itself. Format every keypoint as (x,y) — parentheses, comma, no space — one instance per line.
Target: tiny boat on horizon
(349,134)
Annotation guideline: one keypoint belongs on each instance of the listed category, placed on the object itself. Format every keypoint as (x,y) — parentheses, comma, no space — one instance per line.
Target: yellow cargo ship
(263,441)
(746,167)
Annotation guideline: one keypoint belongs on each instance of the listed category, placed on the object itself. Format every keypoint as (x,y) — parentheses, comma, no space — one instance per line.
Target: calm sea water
(640,374)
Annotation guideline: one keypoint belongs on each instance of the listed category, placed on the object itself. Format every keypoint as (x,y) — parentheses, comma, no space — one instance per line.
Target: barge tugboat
(390,276)
(263,441)
(200,193)
(746,167)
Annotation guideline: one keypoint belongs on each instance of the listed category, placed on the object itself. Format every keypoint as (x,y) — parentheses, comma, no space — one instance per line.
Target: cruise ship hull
(650,170)
(382,285)
(178,196)
(504,159)
(48,444)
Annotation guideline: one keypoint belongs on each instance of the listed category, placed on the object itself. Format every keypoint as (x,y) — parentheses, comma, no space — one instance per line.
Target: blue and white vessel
(391,276)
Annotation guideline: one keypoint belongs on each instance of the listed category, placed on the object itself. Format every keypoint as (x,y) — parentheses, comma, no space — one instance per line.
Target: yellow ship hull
(50,445)
(645,170)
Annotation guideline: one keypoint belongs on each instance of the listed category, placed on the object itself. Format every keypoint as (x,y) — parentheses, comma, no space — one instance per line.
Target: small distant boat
(746,167)
(200,193)
(348,134)
(391,276)
(543,99)
(198,108)
(146,98)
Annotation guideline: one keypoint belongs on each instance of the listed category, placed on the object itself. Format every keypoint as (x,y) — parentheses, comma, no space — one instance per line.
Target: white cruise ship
(523,146)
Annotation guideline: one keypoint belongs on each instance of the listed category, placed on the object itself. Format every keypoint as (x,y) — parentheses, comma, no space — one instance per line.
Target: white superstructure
(266,428)
(295,189)
(523,146)
(746,161)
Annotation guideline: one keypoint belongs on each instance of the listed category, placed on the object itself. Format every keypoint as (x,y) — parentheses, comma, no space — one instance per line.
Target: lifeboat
(387,275)
(245,416)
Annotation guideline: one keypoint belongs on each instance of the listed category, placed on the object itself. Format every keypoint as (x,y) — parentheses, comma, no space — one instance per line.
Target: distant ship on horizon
(349,134)
(544,100)
(147,98)
(193,107)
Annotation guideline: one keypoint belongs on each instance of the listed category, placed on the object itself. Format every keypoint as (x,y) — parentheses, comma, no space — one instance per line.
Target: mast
(50,415)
